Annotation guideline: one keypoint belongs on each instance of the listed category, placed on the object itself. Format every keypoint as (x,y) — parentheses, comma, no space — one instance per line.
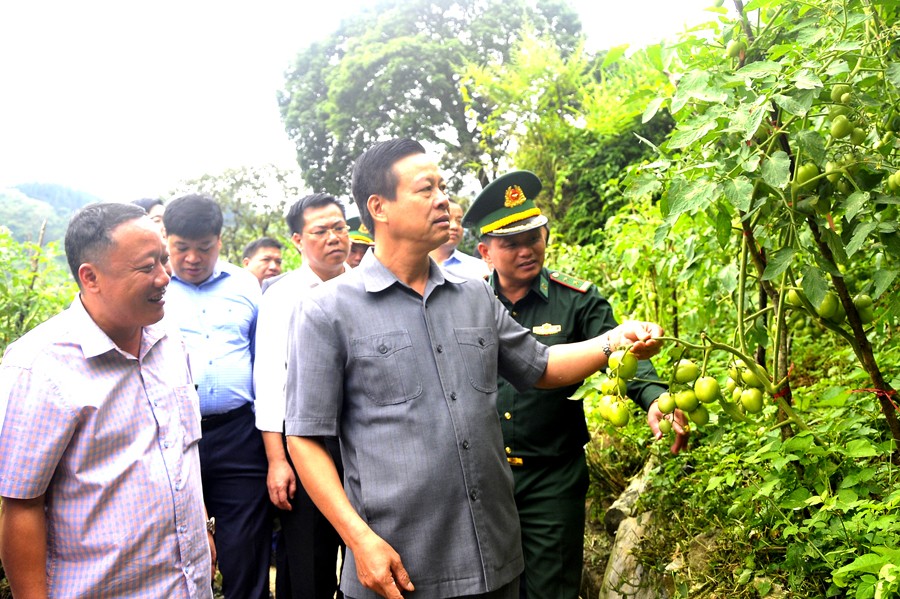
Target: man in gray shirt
(400,361)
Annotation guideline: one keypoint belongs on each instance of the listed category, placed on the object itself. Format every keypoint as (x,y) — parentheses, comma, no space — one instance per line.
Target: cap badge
(363,229)
(514,196)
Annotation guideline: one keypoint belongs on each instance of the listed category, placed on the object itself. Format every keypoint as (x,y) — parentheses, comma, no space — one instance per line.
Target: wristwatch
(211,526)
(604,345)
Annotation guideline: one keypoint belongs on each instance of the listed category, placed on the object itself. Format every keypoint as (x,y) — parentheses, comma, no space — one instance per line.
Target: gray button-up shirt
(409,384)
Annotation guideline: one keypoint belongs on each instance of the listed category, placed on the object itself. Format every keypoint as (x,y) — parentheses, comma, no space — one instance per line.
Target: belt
(214,420)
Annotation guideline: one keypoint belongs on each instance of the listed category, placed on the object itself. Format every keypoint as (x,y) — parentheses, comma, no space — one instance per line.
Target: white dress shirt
(270,368)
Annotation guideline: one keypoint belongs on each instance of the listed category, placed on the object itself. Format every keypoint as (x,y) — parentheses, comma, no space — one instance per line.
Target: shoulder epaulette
(569,281)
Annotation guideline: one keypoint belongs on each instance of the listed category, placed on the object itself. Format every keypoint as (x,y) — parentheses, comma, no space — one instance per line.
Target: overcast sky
(123,99)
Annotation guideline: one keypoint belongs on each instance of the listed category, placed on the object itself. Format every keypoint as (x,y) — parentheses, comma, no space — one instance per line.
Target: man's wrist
(605,345)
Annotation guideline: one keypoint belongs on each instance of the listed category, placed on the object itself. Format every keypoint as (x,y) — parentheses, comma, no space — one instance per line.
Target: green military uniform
(545,432)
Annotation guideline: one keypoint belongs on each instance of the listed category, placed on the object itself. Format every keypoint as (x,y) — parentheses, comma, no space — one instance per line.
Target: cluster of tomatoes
(613,407)
(688,392)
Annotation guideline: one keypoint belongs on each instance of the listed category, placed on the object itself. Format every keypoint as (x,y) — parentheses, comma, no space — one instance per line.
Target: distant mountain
(25,208)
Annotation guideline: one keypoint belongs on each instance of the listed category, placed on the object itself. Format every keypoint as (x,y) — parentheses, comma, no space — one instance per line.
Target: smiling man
(544,432)
(99,467)
(215,305)
(307,551)
(400,361)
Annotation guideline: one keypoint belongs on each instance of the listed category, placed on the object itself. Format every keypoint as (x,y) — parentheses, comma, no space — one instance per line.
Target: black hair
(193,216)
(257,244)
(373,173)
(148,203)
(294,218)
(89,234)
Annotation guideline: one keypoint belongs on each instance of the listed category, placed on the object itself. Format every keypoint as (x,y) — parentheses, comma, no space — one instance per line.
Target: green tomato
(706,388)
(619,413)
(666,403)
(893,181)
(686,400)
(613,385)
(699,416)
(832,171)
(752,400)
(736,394)
(734,48)
(829,306)
(841,127)
(665,426)
(686,371)
(838,109)
(734,371)
(866,315)
(806,173)
(793,298)
(858,136)
(730,384)
(750,379)
(623,364)
(838,91)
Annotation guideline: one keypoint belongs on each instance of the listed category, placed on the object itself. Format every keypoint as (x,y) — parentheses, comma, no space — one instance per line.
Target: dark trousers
(306,557)
(550,499)
(234,468)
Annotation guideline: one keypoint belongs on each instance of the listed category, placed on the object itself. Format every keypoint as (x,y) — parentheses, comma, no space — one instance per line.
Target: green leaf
(644,184)
(805,79)
(814,285)
(779,261)
(812,145)
(870,562)
(854,203)
(651,110)
(739,191)
(860,448)
(756,70)
(893,73)
(613,55)
(687,196)
(835,244)
(723,228)
(792,105)
(859,237)
(883,279)
(688,135)
(776,171)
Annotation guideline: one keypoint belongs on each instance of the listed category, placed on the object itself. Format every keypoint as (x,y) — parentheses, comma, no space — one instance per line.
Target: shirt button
(465,444)
(481,341)
(473,495)
(515,313)
(453,396)
(440,349)
(508,450)
(507,415)
(382,349)
(167,444)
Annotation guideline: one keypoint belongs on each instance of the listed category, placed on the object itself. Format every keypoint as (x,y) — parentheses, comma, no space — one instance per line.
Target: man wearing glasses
(306,554)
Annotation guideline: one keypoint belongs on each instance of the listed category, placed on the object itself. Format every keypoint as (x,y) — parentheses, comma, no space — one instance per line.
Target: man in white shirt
(307,555)
(451,259)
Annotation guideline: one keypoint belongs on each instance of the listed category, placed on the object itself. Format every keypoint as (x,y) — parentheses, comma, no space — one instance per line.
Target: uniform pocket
(478,346)
(387,365)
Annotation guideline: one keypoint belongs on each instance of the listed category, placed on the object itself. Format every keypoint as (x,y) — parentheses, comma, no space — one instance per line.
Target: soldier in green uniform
(545,432)
(360,241)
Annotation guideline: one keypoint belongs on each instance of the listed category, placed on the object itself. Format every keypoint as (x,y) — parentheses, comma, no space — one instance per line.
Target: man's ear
(376,204)
(297,240)
(88,278)
(245,261)
(484,251)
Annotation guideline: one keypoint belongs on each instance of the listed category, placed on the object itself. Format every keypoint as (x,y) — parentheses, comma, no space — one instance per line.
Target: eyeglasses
(322,232)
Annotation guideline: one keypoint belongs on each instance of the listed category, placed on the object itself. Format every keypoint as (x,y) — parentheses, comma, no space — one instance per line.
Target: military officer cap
(358,231)
(506,206)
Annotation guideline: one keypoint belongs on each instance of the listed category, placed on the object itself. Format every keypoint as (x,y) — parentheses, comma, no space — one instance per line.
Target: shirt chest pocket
(478,346)
(387,365)
(188,414)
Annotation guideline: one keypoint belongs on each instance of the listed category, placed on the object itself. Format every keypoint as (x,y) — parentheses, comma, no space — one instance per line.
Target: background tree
(392,71)
(575,120)
(253,200)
